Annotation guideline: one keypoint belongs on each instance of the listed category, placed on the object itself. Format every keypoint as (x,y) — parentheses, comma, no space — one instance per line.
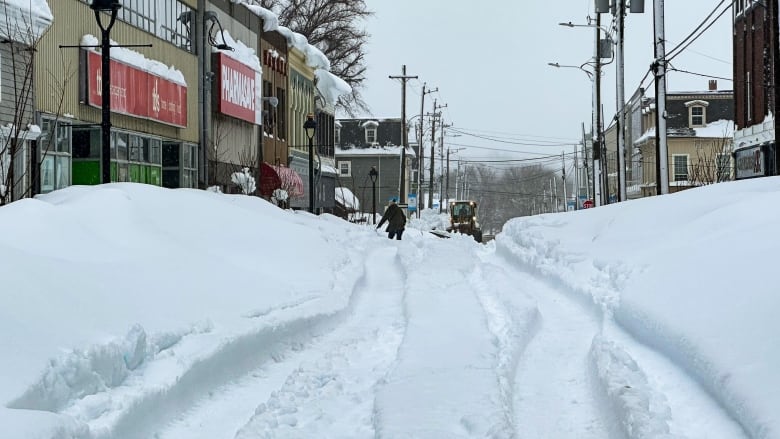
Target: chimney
(713,85)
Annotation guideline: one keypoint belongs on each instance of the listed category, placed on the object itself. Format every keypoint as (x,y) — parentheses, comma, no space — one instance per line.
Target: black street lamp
(310,126)
(373,174)
(112,7)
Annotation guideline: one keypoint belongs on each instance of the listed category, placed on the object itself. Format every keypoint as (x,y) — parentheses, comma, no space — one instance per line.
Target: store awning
(269,180)
(280,177)
(291,181)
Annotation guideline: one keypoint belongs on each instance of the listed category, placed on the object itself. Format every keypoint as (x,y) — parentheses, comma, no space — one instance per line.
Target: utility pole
(404,133)
(563,177)
(436,114)
(662,167)
(585,159)
(441,166)
(597,115)
(421,150)
(621,121)
(433,144)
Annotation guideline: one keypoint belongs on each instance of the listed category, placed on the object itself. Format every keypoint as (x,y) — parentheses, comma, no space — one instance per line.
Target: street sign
(412,202)
(587,204)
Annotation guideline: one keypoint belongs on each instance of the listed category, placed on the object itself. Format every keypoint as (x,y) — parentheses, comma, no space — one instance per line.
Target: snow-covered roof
(241,52)
(328,84)
(270,20)
(719,128)
(345,197)
(135,59)
(24,20)
(394,151)
(331,86)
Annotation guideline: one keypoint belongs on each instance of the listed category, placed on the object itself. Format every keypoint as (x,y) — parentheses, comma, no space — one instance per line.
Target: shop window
(136,145)
(189,168)
(123,172)
(680,167)
(145,149)
(83,145)
(55,154)
(121,140)
(155,151)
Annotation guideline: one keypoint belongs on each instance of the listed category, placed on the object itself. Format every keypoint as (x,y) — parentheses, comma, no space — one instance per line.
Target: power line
(513,135)
(508,150)
(681,49)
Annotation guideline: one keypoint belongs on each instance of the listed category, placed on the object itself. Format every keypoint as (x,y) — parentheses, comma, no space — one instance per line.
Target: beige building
(154,91)
(700,133)
(300,104)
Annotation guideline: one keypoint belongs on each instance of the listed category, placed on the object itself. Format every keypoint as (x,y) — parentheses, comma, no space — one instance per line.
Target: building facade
(365,143)
(755,88)
(300,104)
(236,90)
(21,146)
(699,138)
(154,106)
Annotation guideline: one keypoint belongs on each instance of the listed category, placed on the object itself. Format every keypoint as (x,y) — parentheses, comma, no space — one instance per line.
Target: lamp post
(596,122)
(373,174)
(112,7)
(310,126)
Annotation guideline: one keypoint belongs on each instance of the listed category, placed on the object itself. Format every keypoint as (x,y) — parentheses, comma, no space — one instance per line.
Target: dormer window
(370,128)
(697,113)
(370,135)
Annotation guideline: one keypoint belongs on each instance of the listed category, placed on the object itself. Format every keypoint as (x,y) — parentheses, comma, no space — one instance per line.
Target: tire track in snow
(286,396)
(645,393)
(332,391)
(553,389)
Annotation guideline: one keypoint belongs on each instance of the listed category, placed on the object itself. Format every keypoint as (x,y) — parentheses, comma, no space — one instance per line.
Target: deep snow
(130,311)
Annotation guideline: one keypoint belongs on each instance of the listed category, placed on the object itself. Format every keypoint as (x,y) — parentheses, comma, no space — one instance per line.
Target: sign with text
(749,162)
(239,90)
(137,93)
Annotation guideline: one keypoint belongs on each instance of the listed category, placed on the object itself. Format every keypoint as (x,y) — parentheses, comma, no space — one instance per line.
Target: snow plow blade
(440,233)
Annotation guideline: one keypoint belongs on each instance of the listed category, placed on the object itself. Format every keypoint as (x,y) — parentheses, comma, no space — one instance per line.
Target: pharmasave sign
(239,90)
(137,93)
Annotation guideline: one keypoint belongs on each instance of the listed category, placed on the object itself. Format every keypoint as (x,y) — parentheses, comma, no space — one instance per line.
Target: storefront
(755,153)
(154,120)
(754,161)
(135,157)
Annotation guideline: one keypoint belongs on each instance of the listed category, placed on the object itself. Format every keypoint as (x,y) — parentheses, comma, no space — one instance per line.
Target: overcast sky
(490,64)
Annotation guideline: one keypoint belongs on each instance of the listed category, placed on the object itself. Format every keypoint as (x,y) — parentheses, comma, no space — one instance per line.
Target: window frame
(697,120)
(340,166)
(676,175)
(59,153)
(371,130)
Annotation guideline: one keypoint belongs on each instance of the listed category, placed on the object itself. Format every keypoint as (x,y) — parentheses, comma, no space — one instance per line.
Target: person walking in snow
(396,220)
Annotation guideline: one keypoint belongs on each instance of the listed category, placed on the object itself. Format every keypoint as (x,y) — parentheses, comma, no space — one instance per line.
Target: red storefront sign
(239,90)
(137,93)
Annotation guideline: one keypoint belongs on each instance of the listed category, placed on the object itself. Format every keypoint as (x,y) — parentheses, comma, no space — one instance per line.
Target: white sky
(490,64)
(133,311)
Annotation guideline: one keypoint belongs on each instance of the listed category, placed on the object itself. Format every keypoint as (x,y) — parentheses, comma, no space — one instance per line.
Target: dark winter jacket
(394,215)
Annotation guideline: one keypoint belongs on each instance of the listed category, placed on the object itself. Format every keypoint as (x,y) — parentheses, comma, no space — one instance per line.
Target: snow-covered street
(332,330)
